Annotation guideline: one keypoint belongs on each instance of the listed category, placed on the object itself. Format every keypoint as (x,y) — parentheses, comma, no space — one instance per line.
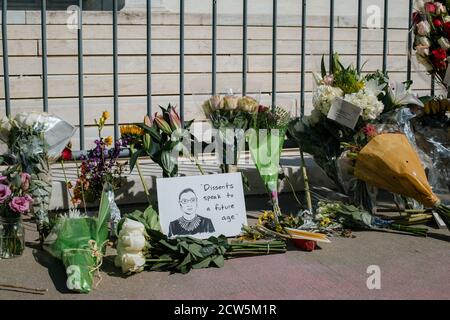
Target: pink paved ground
(411,268)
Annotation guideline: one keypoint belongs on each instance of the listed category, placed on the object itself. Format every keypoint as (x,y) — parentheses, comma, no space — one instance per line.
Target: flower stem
(143,181)
(81,185)
(66,180)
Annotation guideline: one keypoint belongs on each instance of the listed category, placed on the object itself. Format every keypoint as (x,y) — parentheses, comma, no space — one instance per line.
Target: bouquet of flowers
(34,141)
(161,137)
(432,134)
(337,215)
(403,174)
(142,245)
(15,201)
(99,166)
(266,139)
(79,242)
(432,37)
(230,116)
(328,141)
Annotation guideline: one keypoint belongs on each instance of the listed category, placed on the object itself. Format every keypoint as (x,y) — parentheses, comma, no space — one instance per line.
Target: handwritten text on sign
(202,206)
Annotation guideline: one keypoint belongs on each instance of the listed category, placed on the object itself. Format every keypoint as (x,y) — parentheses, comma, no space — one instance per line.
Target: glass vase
(12,237)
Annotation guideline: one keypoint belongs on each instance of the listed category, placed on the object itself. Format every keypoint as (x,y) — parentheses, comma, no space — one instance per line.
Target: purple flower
(21,204)
(3,179)
(5,192)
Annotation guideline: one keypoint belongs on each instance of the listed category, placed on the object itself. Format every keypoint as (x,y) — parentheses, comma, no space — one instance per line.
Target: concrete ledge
(132,192)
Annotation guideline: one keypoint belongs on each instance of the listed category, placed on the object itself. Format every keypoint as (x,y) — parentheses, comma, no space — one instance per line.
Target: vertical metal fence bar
(359,36)
(149,57)
(214,48)
(331,33)
(115,73)
(302,75)
(44,54)
(385,34)
(182,61)
(408,66)
(5,56)
(80,73)
(432,91)
(244,47)
(274,54)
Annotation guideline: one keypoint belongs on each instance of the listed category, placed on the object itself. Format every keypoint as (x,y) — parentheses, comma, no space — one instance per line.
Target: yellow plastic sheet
(389,162)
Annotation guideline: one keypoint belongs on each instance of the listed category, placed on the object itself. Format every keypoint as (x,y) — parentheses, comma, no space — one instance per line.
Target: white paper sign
(202,206)
(344,112)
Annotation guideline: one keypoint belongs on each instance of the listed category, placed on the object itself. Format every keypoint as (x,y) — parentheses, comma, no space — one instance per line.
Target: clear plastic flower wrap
(433,140)
(34,140)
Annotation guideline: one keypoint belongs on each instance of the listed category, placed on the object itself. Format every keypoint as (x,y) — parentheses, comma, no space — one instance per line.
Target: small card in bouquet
(344,113)
(202,206)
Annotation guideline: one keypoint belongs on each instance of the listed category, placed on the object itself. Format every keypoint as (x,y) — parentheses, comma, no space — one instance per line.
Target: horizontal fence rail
(184,46)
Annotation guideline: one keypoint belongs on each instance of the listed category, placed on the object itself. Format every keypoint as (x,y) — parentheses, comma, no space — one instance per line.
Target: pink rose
(3,180)
(5,192)
(423,28)
(430,7)
(26,180)
(21,204)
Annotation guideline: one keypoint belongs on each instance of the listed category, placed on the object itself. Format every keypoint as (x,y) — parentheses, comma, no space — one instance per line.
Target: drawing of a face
(188,202)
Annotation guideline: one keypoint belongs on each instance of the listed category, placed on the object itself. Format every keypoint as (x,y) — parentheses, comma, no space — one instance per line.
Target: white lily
(400,96)
(372,87)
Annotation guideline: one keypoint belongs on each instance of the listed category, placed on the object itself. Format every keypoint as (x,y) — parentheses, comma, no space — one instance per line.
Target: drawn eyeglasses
(186,201)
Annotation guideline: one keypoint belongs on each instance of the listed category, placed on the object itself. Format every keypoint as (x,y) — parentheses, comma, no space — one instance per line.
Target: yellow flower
(108,141)
(105,115)
(326,221)
(131,130)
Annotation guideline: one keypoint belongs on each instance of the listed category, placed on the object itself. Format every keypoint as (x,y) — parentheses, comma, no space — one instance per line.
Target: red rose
(66,154)
(437,23)
(430,7)
(440,64)
(447,25)
(262,108)
(439,54)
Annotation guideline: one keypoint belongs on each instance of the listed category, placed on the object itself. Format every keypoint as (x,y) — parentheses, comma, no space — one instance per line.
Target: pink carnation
(5,192)
(21,204)
(3,180)
(26,180)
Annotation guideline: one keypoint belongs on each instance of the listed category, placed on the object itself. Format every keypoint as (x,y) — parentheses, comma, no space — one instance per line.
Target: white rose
(130,262)
(447,19)
(444,43)
(440,8)
(423,28)
(423,50)
(423,41)
(419,5)
(133,241)
(324,96)
(130,225)
(29,119)
(5,127)
(370,105)
(230,102)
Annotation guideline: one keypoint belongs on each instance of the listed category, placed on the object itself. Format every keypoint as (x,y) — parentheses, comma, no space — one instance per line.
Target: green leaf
(202,264)
(152,218)
(134,157)
(323,68)
(104,210)
(219,261)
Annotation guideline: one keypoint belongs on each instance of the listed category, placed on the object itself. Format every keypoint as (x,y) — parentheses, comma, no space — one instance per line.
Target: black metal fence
(116,84)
